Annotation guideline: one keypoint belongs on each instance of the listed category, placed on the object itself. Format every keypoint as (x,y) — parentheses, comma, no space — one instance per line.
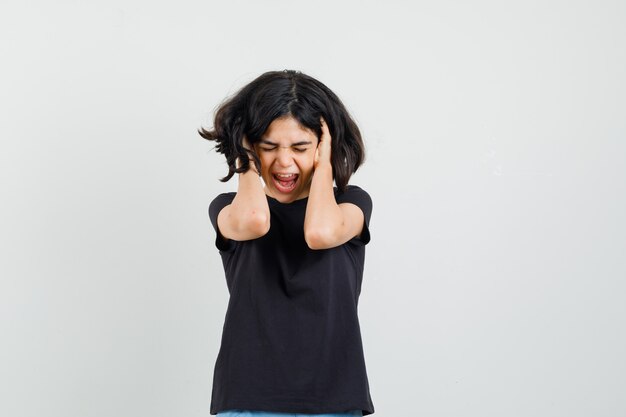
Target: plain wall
(495,277)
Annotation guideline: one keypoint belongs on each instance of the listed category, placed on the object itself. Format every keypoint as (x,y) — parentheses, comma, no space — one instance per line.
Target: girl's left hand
(322,153)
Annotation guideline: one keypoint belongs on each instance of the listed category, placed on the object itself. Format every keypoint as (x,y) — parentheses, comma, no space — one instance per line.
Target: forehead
(288,132)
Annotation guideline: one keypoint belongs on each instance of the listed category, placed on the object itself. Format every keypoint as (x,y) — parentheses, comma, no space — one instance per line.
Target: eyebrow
(304,142)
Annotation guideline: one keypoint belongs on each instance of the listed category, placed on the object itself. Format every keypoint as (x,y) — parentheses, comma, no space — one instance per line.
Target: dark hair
(276,94)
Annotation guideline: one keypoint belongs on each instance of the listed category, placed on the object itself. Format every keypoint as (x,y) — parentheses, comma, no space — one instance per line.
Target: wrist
(251,166)
(324,166)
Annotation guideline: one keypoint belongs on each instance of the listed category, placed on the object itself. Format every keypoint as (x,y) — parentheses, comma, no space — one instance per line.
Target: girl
(293,251)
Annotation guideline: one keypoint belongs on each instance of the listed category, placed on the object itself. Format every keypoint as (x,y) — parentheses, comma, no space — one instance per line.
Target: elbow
(317,239)
(258,223)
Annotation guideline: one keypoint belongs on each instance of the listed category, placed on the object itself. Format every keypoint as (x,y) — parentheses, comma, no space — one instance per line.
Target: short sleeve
(215,207)
(358,196)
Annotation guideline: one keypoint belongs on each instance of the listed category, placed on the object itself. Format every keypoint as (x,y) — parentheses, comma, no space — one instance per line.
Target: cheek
(309,162)
(306,159)
(265,160)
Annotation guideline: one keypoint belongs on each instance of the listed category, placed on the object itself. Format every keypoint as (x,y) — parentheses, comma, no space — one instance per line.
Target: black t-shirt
(291,340)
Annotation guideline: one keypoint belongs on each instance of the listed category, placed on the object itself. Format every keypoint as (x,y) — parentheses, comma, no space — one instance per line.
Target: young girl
(293,251)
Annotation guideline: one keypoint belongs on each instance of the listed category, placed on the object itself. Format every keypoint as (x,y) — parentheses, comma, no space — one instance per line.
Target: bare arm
(248,216)
(326,223)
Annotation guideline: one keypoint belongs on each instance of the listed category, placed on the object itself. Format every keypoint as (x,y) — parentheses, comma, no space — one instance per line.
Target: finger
(325,131)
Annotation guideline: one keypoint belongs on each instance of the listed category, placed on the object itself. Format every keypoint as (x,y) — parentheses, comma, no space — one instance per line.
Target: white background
(495,131)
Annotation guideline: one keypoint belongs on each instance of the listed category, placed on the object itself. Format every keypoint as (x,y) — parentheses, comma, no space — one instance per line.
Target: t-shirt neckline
(295,202)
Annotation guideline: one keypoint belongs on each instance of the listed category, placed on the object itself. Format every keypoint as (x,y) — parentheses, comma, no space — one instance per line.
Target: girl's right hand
(246,145)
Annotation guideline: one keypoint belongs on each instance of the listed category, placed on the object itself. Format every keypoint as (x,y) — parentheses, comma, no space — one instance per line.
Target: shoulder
(354,194)
(223,198)
(219,202)
(349,187)
(358,196)
(350,190)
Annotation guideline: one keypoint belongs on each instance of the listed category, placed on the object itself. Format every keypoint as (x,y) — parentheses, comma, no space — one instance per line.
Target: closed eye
(296,149)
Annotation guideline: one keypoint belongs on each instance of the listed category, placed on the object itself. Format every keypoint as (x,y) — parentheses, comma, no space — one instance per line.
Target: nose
(284,157)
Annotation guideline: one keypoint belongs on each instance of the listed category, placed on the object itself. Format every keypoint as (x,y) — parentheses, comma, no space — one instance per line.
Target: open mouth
(285,183)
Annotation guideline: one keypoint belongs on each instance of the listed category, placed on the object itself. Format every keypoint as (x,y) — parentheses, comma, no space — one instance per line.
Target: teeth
(285,175)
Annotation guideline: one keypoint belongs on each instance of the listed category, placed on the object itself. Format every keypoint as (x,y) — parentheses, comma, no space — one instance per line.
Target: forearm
(323,216)
(250,205)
